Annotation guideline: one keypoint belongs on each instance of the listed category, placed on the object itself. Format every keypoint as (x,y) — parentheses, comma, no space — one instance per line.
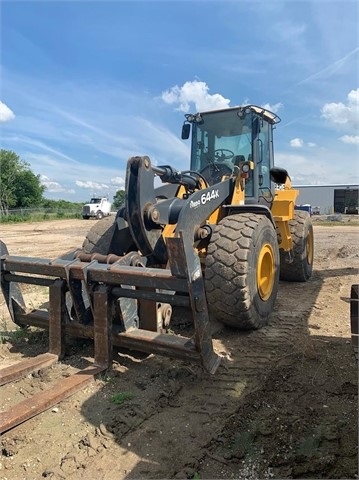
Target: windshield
(95,200)
(220,142)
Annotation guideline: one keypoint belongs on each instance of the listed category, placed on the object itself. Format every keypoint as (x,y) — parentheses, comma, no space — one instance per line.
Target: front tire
(242,271)
(99,215)
(301,268)
(110,235)
(98,239)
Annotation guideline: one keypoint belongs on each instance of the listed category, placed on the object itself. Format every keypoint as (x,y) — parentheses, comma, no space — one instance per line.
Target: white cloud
(296,143)
(6,114)
(118,182)
(194,93)
(344,114)
(52,186)
(319,167)
(311,144)
(92,185)
(273,108)
(352,139)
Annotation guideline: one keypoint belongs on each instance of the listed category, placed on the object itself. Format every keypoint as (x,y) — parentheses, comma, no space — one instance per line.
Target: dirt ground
(283,403)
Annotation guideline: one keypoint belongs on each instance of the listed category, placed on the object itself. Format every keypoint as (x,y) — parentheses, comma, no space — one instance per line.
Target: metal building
(328,199)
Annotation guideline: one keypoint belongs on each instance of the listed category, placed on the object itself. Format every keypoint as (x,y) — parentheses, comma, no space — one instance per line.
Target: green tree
(61,204)
(118,199)
(19,186)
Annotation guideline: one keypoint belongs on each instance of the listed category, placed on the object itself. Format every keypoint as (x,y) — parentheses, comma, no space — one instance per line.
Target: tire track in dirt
(250,359)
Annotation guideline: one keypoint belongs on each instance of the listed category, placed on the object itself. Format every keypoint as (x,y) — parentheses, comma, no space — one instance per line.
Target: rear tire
(242,271)
(300,270)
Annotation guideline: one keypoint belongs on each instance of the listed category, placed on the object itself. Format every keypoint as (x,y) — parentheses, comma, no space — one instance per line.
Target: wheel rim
(265,271)
(309,247)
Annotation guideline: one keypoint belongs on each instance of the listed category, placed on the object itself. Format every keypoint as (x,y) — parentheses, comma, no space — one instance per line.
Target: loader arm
(147,215)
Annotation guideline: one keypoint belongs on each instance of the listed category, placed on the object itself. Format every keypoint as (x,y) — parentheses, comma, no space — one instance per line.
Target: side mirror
(185,131)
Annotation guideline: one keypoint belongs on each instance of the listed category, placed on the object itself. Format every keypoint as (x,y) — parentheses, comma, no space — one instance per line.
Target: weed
(4,332)
(121,397)
(106,378)
(8,335)
(19,334)
(12,335)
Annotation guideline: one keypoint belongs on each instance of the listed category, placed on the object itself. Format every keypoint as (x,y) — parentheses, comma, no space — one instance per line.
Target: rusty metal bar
(23,368)
(174,346)
(44,400)
(137,276)
(57,318)
(184,261)
(41,281)
(354,317)
(111,274)
(89,257)
(37,266)
(102,327)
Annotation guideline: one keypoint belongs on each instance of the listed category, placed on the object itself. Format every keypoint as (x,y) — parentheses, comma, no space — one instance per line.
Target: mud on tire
(300,270)
(242,271)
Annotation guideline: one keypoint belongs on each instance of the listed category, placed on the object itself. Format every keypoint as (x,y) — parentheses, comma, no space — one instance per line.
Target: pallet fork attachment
(106,288)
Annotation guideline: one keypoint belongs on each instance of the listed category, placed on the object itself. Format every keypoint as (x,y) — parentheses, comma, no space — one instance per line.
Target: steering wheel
(222,154)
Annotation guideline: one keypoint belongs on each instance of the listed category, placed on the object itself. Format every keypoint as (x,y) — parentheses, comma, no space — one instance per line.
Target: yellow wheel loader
(215,238)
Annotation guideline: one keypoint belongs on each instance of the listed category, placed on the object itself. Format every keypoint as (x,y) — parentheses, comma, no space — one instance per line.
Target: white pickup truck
(98,208)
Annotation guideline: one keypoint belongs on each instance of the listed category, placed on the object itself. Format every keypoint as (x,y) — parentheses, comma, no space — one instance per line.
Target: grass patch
(39,217)
(21,334)
(15,336)
(121,397)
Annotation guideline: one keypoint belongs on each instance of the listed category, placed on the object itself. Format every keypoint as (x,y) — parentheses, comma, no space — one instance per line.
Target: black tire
(98,239)
(106,237)
(242,271)
(85,217)
(99,215)
(300,270)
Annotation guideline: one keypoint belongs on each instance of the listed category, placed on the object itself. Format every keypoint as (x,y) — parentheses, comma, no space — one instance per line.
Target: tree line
(20,187)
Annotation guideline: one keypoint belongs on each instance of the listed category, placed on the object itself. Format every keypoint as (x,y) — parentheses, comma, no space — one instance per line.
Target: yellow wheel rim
(265,271)
(309,247)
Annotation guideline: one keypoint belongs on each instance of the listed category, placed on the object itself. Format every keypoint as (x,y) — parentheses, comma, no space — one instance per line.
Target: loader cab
(221,139)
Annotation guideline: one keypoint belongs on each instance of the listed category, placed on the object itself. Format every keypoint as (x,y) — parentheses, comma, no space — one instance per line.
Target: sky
(85,85)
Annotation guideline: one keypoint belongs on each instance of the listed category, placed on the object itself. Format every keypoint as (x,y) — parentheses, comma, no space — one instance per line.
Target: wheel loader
(214,239)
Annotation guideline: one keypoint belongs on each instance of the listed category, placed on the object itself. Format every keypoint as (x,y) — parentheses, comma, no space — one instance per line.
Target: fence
(38,214)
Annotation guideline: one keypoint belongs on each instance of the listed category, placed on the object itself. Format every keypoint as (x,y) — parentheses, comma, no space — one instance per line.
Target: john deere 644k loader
(215,238)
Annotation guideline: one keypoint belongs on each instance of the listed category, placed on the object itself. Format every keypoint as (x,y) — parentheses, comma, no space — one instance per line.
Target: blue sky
(86,85)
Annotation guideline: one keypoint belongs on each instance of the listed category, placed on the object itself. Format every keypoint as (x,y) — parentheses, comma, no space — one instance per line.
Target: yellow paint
(283,211)
(265,271)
